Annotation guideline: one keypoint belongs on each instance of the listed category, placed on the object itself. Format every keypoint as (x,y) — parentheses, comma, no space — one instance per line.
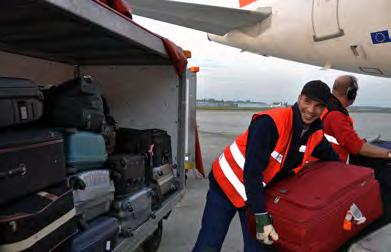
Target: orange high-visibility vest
(341,151)
(228,167)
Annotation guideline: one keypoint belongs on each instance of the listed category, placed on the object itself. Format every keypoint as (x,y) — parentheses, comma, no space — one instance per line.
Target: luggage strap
(30,241)
(353,214)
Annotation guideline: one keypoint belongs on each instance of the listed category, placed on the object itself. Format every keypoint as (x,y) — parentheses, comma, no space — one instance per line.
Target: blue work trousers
(216,219)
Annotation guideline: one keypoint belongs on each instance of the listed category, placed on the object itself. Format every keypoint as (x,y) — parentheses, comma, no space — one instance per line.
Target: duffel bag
(75,104)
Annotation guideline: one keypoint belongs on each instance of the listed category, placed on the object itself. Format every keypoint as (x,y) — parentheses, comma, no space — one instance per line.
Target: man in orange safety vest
(278,142)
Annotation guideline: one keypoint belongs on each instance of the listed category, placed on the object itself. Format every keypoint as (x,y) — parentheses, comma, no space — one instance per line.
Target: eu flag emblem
(380,37)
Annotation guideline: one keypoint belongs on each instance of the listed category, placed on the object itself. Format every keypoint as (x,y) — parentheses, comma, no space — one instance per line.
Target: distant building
(216,104)
(212,103)
(279,105)
(253,105)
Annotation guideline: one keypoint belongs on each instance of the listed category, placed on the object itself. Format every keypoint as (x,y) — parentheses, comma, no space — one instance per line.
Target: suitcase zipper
(277,200)
(281,195)
(30,146)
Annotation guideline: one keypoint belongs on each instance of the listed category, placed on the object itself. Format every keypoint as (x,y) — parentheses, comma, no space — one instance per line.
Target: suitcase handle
(308,167)
(114,175)
(77,183)
(20,171)
(128,207)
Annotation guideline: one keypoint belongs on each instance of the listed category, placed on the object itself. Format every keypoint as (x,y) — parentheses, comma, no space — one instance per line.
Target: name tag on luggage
(23,112)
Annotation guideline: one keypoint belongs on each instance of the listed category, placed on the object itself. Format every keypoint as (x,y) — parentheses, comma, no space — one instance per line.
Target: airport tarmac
(181,228)
(217,129)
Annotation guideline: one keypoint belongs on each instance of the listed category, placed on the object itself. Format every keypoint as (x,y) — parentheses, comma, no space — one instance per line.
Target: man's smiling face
(310,109)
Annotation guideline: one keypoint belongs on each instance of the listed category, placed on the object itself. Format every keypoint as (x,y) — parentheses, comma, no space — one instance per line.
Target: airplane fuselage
(349,35)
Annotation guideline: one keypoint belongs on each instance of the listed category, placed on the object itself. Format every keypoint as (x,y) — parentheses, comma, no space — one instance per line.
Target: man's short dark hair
(317,90)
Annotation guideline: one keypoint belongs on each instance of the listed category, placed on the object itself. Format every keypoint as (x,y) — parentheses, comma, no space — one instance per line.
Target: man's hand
(265,229)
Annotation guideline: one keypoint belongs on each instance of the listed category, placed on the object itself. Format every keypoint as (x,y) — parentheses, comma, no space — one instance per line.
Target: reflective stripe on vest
(228,170)
(277,156)
(331,139)
(237,155)
(230,175)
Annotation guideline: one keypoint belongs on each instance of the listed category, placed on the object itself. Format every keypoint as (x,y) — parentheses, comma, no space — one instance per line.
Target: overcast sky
(226,73)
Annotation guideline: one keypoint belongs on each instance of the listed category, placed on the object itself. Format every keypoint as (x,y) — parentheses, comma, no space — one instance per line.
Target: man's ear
(298,98)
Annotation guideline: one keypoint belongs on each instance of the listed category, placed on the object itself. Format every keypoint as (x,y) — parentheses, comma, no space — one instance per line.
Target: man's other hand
(265,230)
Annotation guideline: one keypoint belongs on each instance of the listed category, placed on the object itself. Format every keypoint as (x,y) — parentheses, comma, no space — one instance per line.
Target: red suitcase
(309,209)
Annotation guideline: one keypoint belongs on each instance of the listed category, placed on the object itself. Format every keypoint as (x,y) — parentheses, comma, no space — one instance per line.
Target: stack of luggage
(36,205)
(139,155)
(65,184)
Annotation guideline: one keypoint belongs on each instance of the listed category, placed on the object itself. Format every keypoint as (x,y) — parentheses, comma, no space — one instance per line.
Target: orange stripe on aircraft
(243,3)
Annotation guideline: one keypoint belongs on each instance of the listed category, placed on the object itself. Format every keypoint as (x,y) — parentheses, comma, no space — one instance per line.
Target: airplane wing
(211,19)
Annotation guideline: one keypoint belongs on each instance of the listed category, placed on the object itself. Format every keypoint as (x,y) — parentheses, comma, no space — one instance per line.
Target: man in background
(339,127)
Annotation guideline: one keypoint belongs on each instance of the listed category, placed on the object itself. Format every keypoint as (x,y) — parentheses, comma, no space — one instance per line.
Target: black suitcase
(132,141)
(30,160)
(40,222)
(100,235)
(144,141)
(128,172)
(109,131)
(382,168)
(21,101)
(76,104)
(162,153)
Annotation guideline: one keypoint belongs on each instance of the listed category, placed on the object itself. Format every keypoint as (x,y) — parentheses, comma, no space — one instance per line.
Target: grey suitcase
(21,101)
(163,176)
(378,241)
(94,193)
(133,210)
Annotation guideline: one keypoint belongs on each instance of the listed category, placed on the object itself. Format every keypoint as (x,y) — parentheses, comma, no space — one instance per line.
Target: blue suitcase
(84,151)
(100,235)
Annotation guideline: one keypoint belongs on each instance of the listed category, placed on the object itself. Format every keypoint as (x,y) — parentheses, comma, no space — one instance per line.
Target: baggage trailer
(51,41)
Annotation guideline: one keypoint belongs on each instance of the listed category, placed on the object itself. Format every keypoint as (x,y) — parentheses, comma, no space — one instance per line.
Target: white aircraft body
(351,35)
